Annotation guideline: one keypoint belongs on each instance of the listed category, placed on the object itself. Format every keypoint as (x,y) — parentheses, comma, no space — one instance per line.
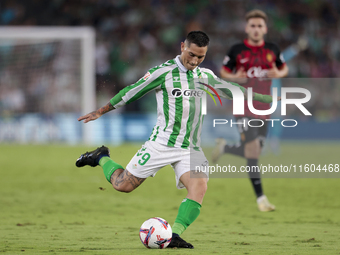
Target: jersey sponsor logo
(226,60)
(257,72)
(146,76)
(244,60)
(192,93)
(176,92)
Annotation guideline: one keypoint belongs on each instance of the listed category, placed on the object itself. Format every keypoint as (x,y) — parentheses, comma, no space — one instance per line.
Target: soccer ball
(155,233)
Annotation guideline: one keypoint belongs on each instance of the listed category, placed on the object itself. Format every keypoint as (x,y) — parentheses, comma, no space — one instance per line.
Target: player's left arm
(256,96)
(279,68)
(227,93)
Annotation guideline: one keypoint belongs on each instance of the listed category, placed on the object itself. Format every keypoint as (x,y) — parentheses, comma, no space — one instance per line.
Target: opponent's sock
(187,213)
(255,177)
(237,150)
(109,166)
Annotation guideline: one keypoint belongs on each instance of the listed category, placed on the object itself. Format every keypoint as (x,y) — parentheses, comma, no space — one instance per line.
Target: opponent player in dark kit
(252,63)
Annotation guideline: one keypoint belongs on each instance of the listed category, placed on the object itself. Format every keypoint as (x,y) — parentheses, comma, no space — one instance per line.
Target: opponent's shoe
(264,205)
(92,158)
(218,151)
(177,242)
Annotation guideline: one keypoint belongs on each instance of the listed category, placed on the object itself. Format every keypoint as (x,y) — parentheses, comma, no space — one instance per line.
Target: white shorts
(153,156)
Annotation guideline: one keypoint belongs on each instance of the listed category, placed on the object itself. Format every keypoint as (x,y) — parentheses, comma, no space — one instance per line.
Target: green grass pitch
(48,206)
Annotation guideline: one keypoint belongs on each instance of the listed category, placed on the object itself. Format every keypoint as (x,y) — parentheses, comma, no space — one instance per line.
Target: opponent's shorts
(248,133)
(153,156)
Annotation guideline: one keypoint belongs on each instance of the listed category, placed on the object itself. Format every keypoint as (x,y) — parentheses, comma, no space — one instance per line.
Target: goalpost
(48,60)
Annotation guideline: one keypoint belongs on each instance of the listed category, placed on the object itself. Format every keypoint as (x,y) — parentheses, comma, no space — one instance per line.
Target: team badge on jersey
(269,57)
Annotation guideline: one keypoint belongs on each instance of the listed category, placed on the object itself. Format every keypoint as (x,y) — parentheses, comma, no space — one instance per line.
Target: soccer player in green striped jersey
(175,139)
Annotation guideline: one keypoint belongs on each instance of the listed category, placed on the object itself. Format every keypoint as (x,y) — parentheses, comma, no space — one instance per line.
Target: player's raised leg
(252,152)
(196,185)
(122,180)
(222,147)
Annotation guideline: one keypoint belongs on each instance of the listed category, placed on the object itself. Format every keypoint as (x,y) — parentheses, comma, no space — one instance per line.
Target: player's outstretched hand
(90,116)
(96,114)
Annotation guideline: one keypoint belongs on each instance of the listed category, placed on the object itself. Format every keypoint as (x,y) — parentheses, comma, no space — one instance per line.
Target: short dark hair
(198,37)
(256,14)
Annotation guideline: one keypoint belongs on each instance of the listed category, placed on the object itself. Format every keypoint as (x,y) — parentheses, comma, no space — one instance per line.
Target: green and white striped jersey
(179,118)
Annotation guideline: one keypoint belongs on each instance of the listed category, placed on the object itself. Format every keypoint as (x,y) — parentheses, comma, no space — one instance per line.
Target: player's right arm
(151,80)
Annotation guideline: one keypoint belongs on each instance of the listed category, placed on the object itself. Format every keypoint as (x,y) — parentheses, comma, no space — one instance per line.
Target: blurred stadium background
(47,205)
(41,82)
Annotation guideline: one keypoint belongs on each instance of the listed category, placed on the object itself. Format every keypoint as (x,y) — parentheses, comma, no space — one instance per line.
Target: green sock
(187,213)
(109,166)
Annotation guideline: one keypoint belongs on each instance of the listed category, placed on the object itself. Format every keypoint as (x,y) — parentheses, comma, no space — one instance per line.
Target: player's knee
(252,149)
(123,189)
(126,190)
(253,154)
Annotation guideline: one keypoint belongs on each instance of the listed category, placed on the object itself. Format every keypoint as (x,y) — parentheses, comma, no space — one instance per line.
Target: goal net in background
(47,78)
